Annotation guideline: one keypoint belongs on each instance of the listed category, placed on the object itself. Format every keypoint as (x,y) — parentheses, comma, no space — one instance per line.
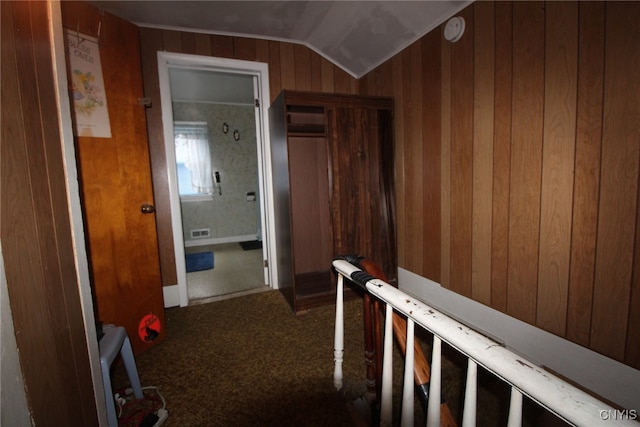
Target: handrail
(421,370)
(556,395)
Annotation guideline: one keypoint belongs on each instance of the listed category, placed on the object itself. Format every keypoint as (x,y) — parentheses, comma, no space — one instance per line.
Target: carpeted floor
(249,361)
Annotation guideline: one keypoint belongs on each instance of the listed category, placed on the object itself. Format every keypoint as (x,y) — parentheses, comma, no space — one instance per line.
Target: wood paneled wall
(291,66)
(518,152)
(516,157)
(35,228)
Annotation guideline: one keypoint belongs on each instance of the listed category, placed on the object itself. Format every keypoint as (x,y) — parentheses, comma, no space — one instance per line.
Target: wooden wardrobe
(332,159)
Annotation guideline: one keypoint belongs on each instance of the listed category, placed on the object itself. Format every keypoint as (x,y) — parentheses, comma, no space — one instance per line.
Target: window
(193,158)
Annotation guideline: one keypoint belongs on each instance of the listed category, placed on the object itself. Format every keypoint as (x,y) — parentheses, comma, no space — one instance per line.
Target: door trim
(177,294)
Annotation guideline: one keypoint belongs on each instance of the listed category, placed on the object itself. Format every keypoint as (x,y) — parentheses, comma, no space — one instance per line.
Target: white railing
(526,379)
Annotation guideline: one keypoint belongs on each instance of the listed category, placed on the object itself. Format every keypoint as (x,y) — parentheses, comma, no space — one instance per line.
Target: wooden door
(362,199)
(115,177)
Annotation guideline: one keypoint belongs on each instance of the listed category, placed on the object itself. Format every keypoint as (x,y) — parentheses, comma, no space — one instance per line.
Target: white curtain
(192,149)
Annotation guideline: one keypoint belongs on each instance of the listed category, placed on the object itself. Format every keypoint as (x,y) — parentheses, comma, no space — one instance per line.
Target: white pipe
(565,400)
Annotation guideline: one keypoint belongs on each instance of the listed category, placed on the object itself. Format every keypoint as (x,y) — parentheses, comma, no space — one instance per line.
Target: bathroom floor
(236,272)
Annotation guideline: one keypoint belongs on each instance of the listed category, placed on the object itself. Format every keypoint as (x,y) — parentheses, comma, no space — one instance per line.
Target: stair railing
(373,348)
(568,402)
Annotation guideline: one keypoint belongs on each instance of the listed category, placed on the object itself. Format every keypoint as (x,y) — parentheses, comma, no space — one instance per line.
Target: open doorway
(216,143)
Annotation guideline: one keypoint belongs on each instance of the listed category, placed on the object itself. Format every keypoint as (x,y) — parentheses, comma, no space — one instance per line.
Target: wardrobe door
(362,184)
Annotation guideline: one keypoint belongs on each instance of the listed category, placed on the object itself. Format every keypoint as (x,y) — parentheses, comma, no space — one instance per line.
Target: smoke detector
(454,29)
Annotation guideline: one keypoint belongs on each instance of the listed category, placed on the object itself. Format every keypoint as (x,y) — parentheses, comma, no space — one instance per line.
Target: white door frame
(177,294)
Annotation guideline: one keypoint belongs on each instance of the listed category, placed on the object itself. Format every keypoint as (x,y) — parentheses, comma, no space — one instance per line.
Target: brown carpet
(250,361)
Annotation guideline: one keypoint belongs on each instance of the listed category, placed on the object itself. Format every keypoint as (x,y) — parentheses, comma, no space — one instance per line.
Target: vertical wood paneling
(561,73)
(400,142)
(462,66)
(619,181)
(326,75)
(483,116)
(35,227)
(287,66)
(202,44)
(64,298)
(632,351)
(587,171)
(343,82)
(244,48)
(431,135)
(412,90)
(538,125)
(275,75)
(18,226)
(501,155)
(302,61)
(172,41)
(188,42)
(445,117)
(316,73)
(417,154)
(526,153)
(309,176)
(262,50)
(221,46)
(403,91)
(379,82)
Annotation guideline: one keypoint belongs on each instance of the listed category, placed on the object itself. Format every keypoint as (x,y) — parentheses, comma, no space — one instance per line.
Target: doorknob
(147,209)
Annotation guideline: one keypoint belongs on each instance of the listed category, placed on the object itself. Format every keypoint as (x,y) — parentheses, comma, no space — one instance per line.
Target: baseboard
(171,295)
(612,380)
(218,240)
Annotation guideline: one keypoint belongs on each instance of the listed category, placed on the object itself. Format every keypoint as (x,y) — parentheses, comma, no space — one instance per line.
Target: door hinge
(144,102)
(266,263)
(257,102)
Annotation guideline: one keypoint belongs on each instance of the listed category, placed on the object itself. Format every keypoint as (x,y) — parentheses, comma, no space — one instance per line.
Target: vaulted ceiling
(356,36)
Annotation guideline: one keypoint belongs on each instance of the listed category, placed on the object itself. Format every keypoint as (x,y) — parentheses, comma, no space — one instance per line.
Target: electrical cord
(164,403)
(121,401)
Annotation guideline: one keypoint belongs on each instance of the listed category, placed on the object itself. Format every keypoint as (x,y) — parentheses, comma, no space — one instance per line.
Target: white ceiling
(356,36)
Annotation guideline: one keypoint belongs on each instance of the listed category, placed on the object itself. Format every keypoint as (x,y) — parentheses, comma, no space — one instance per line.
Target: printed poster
(87,86)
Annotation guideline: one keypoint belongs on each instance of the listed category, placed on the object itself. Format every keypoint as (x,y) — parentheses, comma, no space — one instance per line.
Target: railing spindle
(568,402)
(386,403)
(338,345)
(470,395)
(515,408)
(408,385)
(433,409)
